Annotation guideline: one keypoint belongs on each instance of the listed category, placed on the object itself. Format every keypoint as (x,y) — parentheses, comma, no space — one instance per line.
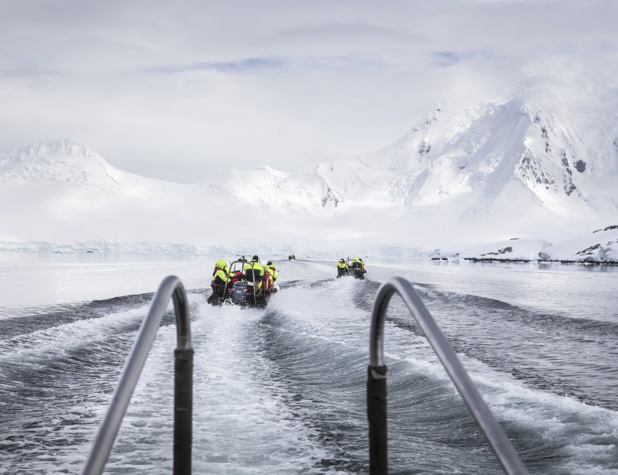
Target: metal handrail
(171,287)
(376,382)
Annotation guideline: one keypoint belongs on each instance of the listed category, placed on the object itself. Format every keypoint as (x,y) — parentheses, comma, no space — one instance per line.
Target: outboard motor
(239,292)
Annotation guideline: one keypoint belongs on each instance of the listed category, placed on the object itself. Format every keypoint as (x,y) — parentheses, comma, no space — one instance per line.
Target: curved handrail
(171,287)
(376,383)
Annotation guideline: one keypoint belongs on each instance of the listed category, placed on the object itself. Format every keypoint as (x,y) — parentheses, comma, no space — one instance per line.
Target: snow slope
(62,189)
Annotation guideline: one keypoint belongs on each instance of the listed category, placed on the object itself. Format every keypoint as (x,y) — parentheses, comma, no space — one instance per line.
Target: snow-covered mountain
(63,190)
(59,160)
(546,158)
(542,162)
(277,192)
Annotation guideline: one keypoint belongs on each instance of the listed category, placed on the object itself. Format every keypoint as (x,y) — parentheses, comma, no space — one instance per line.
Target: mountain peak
(65,160)
(67,146)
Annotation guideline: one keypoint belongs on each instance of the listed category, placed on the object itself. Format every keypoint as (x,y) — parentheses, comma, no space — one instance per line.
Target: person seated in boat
(254,274)
(358,267)
(362,265)
(342,268)
(236,274)
(221,283)
(272,276)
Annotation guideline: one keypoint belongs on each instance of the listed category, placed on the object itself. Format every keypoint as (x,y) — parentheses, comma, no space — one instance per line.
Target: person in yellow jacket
(362,264)
(342,268)
(357,266)
(272,276)
(221,283)
(254,273)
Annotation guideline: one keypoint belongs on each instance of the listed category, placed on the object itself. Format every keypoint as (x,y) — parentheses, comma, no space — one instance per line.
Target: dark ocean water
(282,390)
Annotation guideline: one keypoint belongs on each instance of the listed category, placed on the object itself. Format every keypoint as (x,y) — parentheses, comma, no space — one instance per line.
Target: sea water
(282,390)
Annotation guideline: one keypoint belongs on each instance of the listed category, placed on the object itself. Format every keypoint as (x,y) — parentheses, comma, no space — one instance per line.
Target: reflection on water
(577,291)
(31,282)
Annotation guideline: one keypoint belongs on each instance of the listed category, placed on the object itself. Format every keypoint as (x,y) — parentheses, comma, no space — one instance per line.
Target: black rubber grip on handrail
(377,418)
(183,410)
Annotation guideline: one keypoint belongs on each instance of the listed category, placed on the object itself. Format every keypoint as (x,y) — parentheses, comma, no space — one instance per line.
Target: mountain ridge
(527,165)
(55,160)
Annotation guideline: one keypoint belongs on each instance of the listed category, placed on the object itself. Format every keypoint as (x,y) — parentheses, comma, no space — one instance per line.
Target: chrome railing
(171,287)
(376,382)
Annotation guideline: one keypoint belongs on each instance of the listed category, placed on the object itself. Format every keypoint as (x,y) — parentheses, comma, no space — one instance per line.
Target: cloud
(240,66)
(450,58)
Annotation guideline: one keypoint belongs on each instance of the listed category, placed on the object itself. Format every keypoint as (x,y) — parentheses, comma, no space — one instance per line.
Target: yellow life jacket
(254,272)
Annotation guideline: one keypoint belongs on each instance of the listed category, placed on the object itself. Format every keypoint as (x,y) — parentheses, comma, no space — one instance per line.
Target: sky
(183,91)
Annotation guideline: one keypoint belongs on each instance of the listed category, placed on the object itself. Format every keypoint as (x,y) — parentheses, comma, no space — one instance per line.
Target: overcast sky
(184,90)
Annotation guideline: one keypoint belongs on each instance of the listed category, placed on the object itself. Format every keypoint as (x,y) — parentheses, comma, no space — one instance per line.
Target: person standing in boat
(221,283)
(272,276)
(342,268)
(362,265)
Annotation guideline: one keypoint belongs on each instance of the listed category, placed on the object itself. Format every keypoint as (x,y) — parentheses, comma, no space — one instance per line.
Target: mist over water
(282,390)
